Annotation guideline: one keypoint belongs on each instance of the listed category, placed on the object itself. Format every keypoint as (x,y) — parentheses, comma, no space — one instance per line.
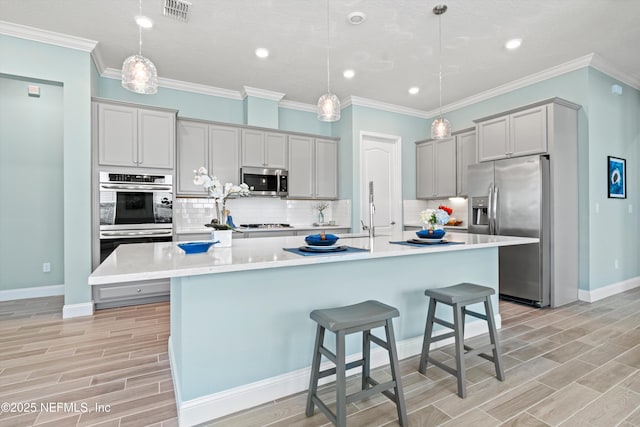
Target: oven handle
(145,188)
(134,234)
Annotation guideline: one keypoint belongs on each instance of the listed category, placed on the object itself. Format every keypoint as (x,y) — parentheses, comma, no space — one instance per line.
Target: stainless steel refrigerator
(511,197)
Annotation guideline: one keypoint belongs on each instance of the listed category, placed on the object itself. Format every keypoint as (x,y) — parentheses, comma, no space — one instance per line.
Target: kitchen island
(240,328)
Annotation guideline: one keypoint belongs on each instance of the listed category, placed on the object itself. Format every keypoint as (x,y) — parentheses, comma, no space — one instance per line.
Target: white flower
(434,216)
(217,190)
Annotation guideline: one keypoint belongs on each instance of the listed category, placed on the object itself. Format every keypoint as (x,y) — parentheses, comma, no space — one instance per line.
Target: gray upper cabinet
(264,149)
(313,168)
(326,173)
(129,136)
(466,155)
(517,134)
(436,169)
(215,147)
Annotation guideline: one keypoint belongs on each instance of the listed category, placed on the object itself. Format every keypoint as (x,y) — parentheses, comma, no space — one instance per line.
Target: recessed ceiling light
(261,52)
(513,44)
(144,21)
(348,74)
(356,18)
(414,90)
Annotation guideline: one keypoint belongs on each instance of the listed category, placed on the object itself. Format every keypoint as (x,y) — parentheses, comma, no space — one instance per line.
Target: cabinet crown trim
(558,101)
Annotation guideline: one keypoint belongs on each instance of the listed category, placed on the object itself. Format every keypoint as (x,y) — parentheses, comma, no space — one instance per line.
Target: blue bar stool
(458,297)
(347,320)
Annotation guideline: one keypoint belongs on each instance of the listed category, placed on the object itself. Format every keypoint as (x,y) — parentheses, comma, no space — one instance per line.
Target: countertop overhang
(147,261)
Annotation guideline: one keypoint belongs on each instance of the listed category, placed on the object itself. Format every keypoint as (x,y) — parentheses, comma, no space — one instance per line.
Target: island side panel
(232,329)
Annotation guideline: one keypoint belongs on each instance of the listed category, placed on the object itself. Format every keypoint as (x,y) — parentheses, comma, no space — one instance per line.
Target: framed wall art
(617,177)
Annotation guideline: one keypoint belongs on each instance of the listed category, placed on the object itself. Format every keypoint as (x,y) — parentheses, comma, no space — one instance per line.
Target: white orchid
(218,191)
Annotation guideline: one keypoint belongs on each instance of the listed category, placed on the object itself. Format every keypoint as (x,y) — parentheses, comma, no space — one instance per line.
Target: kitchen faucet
(372,211)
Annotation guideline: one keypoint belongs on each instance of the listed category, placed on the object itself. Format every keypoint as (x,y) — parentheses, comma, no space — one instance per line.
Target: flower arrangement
(219,193)
(434,218)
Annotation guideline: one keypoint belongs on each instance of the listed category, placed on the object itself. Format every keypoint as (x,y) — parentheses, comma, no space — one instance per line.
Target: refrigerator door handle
(489,208)
(496,222)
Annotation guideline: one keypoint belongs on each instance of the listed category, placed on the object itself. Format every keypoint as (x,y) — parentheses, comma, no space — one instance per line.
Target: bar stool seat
(458,297)
(361,317)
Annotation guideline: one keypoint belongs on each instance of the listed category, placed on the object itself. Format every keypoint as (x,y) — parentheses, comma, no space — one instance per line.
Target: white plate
(429,240)
(327,247)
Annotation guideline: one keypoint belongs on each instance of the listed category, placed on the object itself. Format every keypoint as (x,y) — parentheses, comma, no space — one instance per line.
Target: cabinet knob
(138,290)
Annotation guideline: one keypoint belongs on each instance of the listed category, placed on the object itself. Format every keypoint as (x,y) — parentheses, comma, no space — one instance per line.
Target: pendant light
(139,75)
(328,104)
(440,128)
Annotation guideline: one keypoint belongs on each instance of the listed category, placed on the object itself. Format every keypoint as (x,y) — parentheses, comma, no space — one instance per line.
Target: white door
(380,164)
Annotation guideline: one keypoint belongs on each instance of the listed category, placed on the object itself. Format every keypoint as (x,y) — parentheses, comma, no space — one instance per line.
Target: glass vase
(320,217)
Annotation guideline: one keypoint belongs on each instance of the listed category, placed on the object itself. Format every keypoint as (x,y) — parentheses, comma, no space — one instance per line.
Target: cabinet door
(493,139)
(117,135)
(466,156)
(425,184)
(528,131)
(445,167)
(193,152)
(156,139)
(326,164)
(301,167)
(276,150)
(224,153)
(253,148)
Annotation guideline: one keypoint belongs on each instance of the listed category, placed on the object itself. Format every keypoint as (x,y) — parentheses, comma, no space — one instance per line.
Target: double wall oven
(134,208)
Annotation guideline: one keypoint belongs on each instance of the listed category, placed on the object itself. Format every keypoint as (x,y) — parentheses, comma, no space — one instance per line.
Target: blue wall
(71,69)
(31,184)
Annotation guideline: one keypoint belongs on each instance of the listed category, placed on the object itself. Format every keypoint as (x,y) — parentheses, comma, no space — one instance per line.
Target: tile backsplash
(194,212)
(412,209)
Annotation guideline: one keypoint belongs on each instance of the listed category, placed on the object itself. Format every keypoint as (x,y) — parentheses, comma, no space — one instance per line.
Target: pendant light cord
(328,62)
(140,30)
(440,59)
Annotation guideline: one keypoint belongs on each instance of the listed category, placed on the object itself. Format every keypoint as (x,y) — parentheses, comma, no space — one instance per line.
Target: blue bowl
(195,247)
(316,239)
(431,234)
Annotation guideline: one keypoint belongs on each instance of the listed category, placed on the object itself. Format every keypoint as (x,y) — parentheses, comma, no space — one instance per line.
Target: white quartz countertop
(145,261)
(204,229)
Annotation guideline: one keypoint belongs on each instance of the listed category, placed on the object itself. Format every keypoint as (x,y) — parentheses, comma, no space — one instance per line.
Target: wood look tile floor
(577,365)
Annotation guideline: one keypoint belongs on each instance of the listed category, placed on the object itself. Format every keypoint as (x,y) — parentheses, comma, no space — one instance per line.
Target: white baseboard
(35,292)
(77,310)
(206,408)
(609,290)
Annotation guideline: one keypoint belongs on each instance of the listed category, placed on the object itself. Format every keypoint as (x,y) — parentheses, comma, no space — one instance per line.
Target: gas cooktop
(266,226)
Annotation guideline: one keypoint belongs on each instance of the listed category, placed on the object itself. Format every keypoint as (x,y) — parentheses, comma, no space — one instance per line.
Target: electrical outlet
(616,264)
(630,209)
(46,267)
(597,207)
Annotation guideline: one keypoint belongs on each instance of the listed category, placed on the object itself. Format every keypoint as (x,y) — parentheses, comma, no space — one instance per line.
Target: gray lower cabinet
(215,147)
(131,293)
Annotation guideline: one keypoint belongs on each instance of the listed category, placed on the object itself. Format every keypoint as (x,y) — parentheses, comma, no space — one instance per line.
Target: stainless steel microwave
(266,181)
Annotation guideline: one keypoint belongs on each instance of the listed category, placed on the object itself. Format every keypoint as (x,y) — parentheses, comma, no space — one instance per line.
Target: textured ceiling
(395,48)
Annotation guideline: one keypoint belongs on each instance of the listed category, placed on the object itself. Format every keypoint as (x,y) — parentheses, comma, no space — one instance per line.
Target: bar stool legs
(367,315)
(458,297)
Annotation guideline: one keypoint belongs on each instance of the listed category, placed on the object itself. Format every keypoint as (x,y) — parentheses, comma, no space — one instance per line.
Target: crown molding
(44,36)
(301,106)
(564,68)
(602,65)
(112,73)
(364,102)
(261,93)
(96,55)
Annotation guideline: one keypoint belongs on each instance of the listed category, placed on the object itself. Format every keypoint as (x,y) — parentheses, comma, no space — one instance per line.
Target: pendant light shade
(139,75)
(440,128)
(328,104)
(328,108)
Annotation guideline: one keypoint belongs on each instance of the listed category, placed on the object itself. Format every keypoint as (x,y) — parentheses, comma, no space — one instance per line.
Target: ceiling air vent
(177,9)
